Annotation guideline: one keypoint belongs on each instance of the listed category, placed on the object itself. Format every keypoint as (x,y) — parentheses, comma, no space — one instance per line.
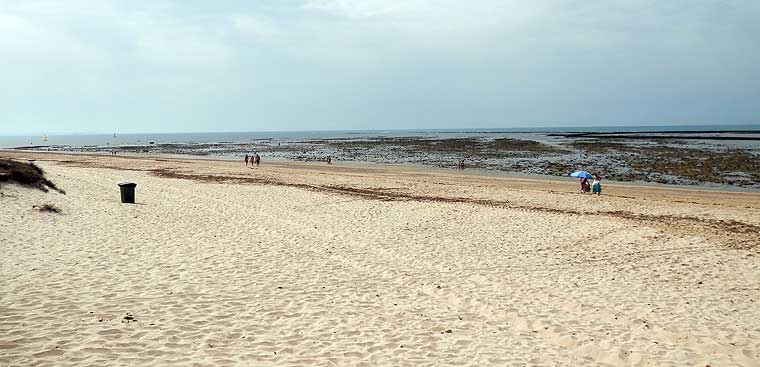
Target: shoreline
(721,164)
(475,172)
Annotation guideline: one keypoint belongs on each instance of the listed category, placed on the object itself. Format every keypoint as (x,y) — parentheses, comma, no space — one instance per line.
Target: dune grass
(25,174)
(48,208)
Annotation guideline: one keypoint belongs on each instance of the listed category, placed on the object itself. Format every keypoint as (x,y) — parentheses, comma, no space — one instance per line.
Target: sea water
(117,139)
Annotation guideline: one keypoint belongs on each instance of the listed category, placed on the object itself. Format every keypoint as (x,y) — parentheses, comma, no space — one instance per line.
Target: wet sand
(309,264)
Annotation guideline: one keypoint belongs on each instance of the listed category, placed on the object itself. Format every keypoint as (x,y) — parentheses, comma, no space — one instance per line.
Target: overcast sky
(197,65)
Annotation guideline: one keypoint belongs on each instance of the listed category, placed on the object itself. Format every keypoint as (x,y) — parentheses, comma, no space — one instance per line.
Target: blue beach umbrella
(581,174)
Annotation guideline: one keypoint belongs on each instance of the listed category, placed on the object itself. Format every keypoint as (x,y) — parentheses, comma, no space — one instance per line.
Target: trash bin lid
(127,184)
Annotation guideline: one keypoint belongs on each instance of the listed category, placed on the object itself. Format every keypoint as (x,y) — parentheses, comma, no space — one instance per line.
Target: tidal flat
(709,159)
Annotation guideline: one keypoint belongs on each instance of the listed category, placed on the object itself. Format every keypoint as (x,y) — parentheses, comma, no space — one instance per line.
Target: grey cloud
(236,65)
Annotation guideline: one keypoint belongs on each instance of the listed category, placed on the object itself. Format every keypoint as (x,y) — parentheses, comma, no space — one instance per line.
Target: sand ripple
(256,275)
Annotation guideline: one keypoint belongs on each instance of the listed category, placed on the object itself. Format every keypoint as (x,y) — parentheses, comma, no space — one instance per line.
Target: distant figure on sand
(460,165)
(329,159)
(585,187)
(246,159)
(257,158)
(596,186)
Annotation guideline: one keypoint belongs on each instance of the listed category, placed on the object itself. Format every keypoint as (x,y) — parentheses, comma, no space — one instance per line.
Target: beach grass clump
(25,174)
(47,208)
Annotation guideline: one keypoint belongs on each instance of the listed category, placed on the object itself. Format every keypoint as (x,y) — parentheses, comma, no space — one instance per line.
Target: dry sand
(308,264)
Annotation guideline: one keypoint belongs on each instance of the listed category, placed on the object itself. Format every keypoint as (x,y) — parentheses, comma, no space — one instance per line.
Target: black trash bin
(127,192)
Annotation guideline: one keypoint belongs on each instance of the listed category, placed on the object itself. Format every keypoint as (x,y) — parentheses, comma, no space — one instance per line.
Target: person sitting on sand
(596,186)
(585,187)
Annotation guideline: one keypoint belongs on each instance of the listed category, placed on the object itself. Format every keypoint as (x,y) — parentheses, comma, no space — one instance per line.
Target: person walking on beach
(246,159)
(596,186)
(257,159)
(329,159)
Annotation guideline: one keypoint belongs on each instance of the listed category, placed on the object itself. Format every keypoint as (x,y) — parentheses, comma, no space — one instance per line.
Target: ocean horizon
(116,138)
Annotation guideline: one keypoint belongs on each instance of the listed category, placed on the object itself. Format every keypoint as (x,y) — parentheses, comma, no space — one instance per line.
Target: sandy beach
(295,264)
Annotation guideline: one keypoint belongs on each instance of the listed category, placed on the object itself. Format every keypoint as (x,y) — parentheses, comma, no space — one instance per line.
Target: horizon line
(453,129)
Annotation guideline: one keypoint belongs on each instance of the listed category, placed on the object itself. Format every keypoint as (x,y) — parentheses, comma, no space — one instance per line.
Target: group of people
(460,164)
(593,187)
(254,159)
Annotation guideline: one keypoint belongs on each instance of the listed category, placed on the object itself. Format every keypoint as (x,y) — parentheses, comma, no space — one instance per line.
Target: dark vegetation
(597,146)
(25,174)
(660,163)
(468,147)
(522,145)
(49,208)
